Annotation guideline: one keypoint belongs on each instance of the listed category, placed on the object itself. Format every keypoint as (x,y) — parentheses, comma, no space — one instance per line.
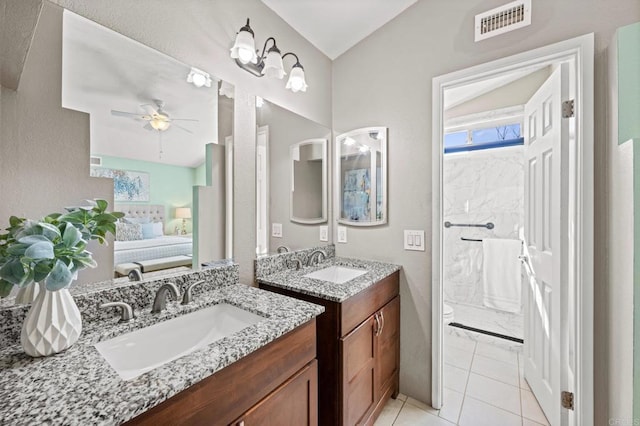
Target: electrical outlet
(276,230)
(414,240)
(324,233)
(342,234)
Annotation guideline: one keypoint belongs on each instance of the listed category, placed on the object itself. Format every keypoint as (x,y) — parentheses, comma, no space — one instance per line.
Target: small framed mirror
(361,177)
(308,181)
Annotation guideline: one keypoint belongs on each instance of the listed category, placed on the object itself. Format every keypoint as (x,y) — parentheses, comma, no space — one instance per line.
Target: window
(473,139)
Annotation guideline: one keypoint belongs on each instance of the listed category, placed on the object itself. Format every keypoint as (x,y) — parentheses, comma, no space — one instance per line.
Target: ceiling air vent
(503,19)
(95,161)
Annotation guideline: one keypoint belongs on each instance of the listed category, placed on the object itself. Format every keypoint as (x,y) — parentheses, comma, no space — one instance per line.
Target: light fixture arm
(264,49)
(295,56)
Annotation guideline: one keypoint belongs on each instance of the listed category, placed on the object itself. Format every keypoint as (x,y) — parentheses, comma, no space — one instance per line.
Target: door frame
(579,52)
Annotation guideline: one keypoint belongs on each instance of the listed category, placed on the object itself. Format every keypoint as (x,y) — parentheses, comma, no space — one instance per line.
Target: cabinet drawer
(358,308)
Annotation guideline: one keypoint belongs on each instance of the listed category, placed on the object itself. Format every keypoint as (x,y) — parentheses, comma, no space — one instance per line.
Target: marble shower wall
(479,187)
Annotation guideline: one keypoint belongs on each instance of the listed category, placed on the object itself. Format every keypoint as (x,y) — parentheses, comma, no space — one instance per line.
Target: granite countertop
(290,279)
(78,387)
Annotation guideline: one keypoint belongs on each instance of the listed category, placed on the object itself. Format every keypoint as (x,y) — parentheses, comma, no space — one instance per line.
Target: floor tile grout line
(399,411)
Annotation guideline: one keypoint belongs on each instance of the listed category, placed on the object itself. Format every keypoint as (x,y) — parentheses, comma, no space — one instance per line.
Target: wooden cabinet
(358,352)
(275,385)
(294,403)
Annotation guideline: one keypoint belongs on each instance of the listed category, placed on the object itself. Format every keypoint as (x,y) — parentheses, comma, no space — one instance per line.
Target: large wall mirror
(308,181)
(291,169)
(361,177)
(154,130)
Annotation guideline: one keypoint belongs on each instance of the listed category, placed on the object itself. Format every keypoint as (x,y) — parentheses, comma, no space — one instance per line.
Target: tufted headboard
(155,212)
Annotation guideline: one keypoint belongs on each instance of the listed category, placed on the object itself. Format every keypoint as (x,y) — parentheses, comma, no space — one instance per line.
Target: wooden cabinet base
(358,352)
(233,391)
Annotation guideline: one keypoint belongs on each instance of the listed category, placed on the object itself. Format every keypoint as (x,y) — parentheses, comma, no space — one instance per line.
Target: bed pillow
(158,231)
(128,231)
(140,220)
(148,230)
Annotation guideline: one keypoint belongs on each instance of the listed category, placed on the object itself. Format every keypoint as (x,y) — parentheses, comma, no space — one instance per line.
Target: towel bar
(488,225)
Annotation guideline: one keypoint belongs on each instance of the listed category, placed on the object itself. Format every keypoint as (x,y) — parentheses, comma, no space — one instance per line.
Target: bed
(164,246)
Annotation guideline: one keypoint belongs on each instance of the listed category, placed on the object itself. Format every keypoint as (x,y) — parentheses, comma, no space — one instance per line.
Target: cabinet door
(358,372)
(388,345)
(294,403)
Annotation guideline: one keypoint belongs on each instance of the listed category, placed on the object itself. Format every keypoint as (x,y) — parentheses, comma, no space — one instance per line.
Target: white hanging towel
(501,274)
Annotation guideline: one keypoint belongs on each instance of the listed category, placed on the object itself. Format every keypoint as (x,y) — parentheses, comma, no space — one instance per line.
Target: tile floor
(484,385)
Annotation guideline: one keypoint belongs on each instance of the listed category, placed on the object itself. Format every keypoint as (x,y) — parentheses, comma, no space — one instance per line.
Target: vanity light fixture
(226,89)
(259,101)
(349,141)
(199,78)
(271,64)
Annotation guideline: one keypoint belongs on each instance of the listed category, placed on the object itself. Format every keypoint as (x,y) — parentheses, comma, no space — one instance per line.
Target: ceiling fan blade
(125,114)
(182,128)
(184,119)
(148,127)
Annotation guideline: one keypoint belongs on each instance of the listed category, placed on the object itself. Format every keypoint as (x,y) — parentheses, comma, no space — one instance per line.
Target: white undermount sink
(135,353)
(336,274)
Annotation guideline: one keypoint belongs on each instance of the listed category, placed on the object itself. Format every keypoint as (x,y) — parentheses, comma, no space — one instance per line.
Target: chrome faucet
(187,297)
(318,252)
(297,262)
(126,311)
(282,249)
(160,302)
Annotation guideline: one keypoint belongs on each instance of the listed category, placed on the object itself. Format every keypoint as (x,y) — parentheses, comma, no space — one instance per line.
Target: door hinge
(568,109)
(567,400)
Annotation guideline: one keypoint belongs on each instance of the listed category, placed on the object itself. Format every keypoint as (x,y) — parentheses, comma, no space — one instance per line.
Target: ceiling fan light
(273,64)
(244,48)
(296,82)
(159,124)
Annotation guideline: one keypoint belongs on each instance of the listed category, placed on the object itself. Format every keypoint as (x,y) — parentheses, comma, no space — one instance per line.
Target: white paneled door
(546,135)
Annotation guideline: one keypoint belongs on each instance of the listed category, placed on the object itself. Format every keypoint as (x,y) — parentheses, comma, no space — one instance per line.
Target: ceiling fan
(155,116)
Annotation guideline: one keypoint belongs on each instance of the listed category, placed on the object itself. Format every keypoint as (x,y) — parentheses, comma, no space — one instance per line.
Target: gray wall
(285,129)
(432,38)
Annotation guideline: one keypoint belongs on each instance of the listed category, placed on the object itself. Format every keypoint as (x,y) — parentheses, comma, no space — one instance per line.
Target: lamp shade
(273,64)
(183,213)
(160,123)
(296,80)
(244,49)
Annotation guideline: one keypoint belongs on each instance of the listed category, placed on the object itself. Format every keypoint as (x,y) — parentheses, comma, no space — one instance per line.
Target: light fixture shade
(244,49)
(273,64)
(199,78)
(183,213)
(296,80)
(160,123)
(226,89)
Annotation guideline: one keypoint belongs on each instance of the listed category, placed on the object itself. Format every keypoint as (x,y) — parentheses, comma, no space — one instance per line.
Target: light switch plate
(414,240)
(324,233)
(276,230)
(342,234)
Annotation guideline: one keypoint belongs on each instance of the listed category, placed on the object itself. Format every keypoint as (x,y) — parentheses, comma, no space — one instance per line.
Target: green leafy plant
(53,249)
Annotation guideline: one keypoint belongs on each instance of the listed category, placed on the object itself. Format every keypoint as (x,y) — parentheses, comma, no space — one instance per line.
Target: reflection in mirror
(278,130)
(361,177)
(309,181)
(153,124)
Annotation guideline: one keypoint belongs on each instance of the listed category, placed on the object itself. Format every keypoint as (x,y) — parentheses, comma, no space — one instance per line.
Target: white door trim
(579,52)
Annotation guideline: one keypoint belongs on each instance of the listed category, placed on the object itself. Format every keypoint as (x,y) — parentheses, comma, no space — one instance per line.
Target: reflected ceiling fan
(155,116)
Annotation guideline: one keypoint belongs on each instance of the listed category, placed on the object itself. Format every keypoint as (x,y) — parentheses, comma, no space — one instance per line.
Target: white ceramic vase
(27,294)
(52,325)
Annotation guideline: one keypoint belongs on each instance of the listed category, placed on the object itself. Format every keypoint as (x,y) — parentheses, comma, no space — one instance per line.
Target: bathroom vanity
(358,335)
(264,370)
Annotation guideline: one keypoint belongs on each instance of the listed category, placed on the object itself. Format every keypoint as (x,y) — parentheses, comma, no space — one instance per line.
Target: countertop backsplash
(270,264)
(139,294)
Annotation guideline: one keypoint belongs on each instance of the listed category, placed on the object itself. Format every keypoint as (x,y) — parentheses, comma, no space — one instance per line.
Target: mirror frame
(323,218)
(337,186)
